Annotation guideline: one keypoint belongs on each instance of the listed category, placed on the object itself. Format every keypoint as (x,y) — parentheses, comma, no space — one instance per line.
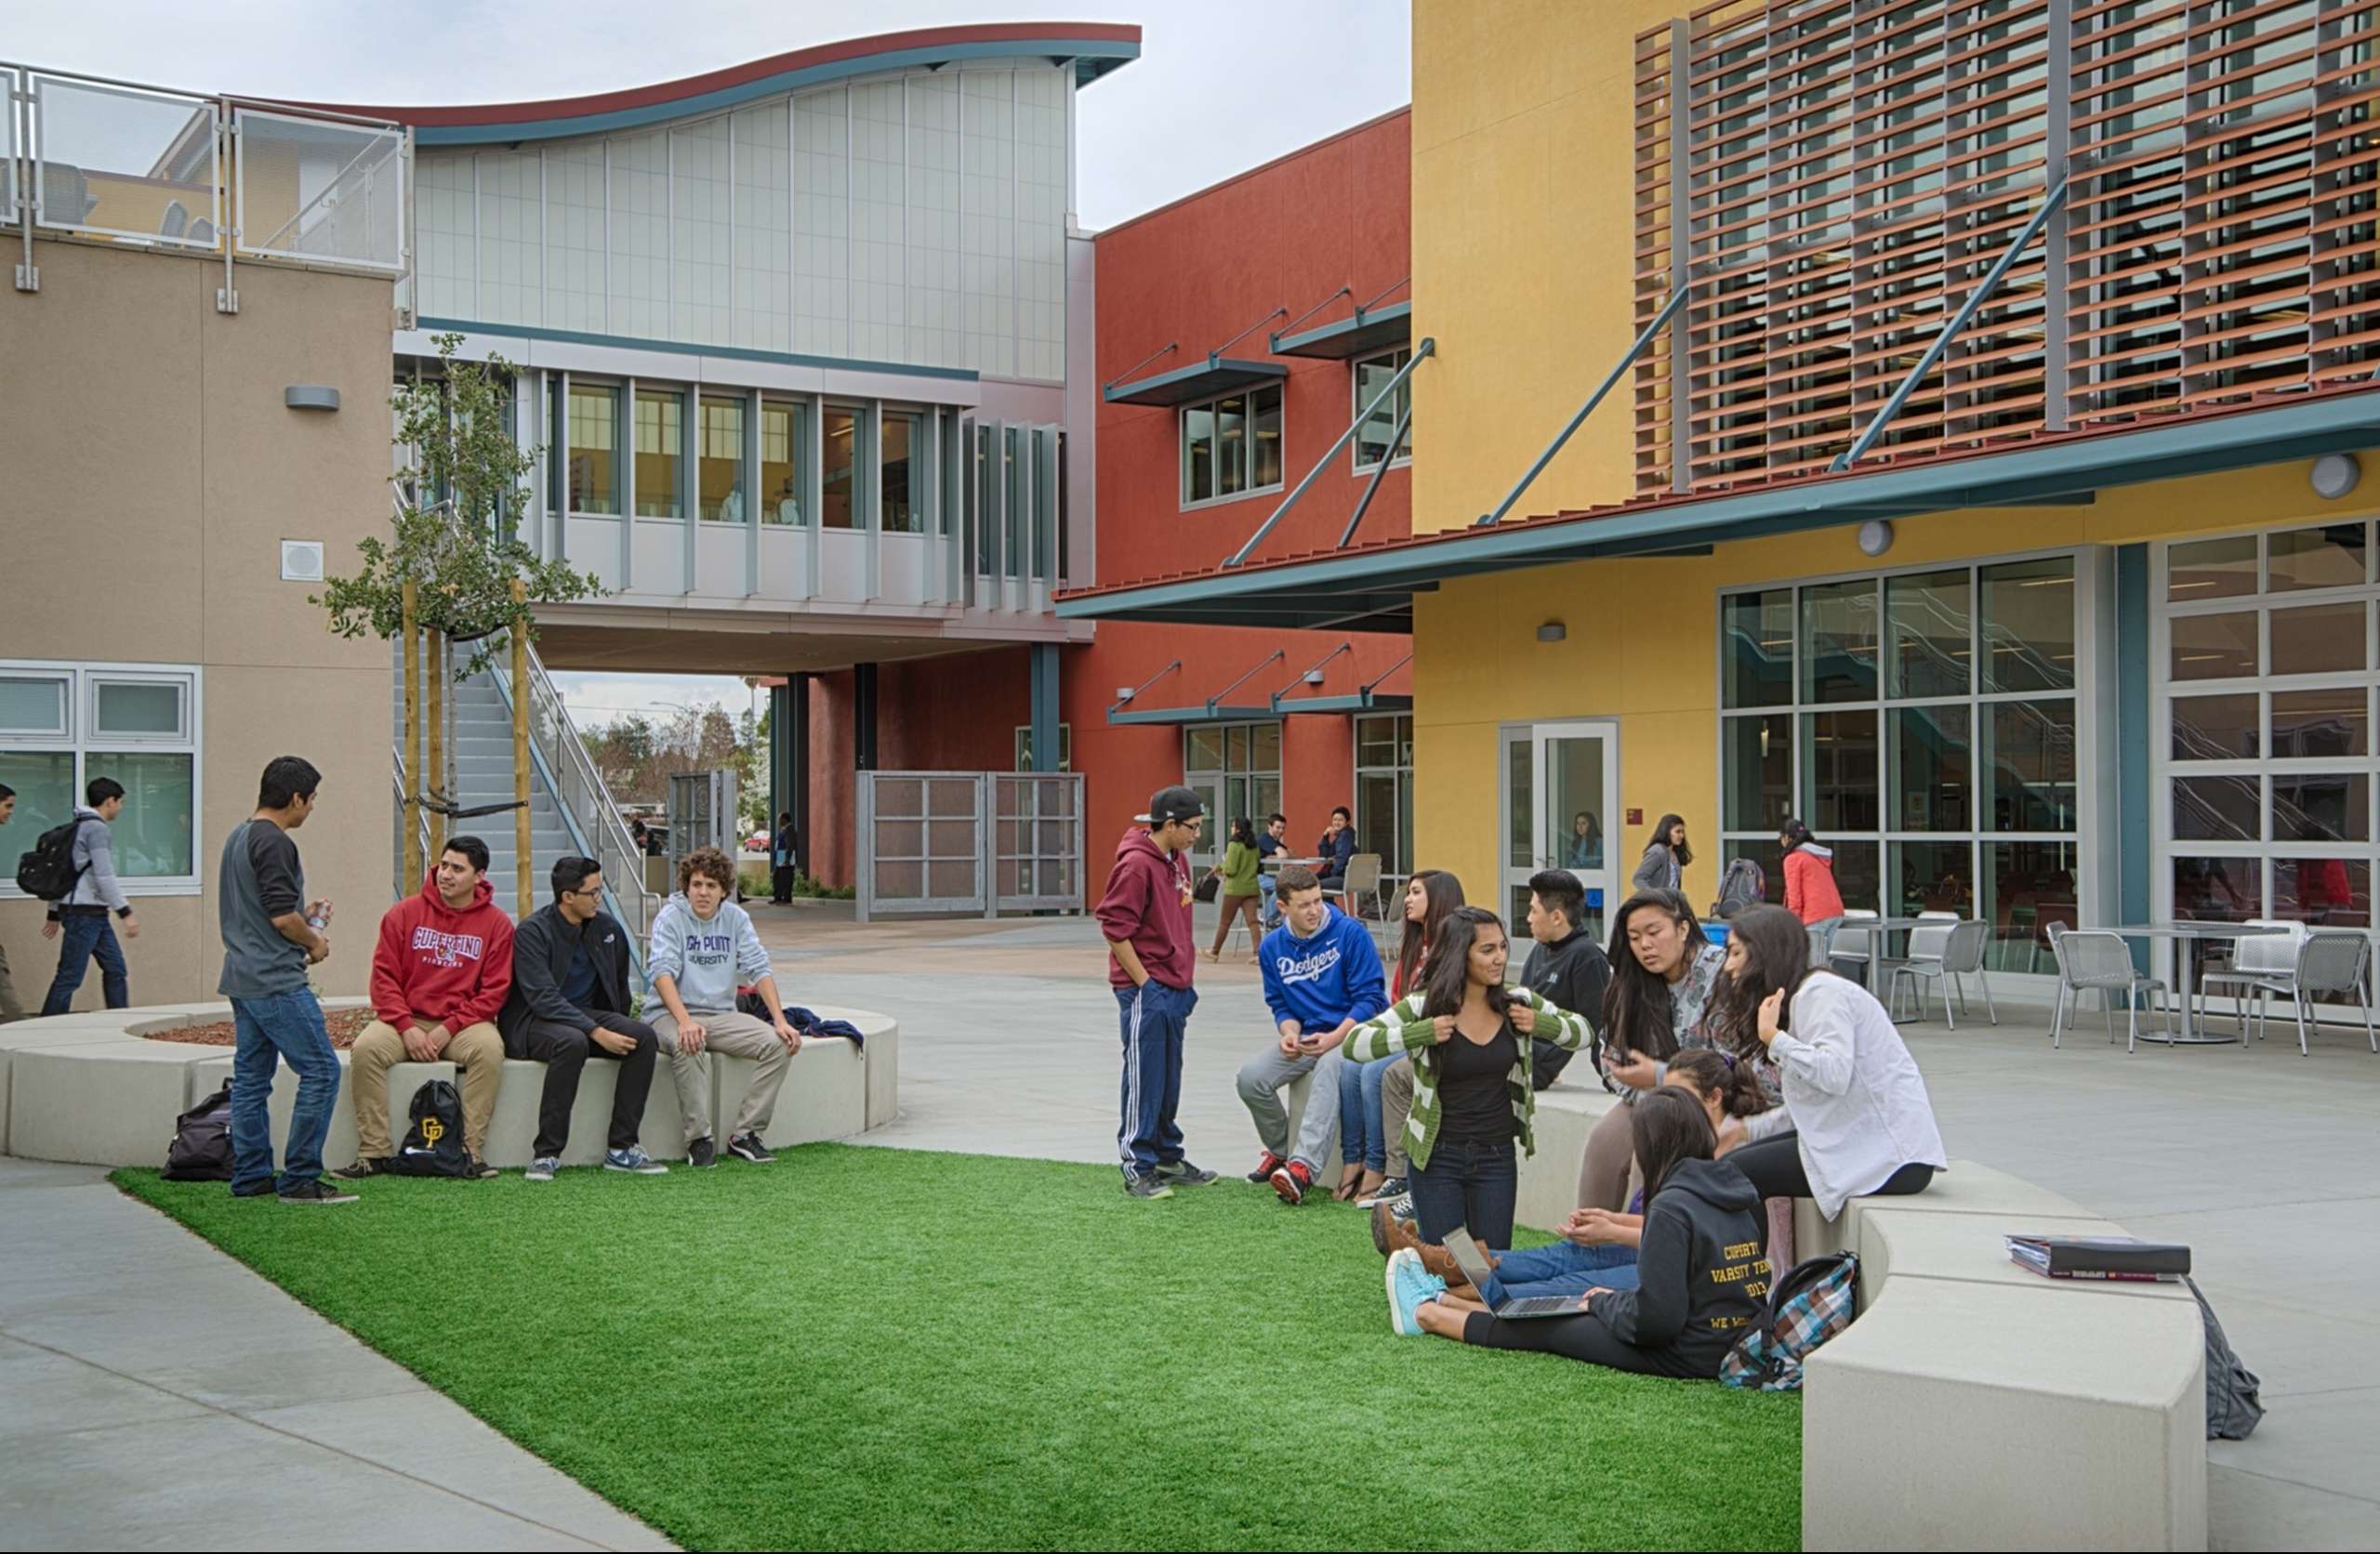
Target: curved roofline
(1095,47)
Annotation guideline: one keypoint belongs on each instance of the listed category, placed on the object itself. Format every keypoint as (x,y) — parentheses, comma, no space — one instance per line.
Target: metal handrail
(1975,299)
(1422,353)
(421,817)
(1669,310)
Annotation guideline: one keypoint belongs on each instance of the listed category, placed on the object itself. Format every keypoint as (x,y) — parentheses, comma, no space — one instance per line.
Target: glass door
(1561,786)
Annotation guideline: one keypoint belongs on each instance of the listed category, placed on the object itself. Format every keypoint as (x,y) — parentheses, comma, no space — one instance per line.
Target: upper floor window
(1231,447)
(1372,375)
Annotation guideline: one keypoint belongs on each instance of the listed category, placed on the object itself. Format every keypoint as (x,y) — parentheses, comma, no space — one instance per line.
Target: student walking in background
(270,936)
(1239,871)
(1151,956)
(1663,865)
(79,918)
(9,1008)
(781,860)
(1322,977)
(1810,890)
(702,948)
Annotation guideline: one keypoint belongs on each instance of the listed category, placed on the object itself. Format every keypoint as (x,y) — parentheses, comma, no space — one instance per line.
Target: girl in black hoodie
(1701,1274)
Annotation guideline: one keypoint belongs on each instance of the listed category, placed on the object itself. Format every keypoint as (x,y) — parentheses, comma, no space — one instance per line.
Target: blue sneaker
(1410,1287)
(541,1169)
(634,1159)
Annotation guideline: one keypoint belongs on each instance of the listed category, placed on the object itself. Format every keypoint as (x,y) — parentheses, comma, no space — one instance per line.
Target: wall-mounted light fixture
(1875,536)
(1314,677)
(2334,475)
(310,396)
(1553,631)
(1125,693)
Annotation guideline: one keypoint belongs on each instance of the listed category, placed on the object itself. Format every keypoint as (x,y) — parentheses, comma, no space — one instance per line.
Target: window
(660,443)
(594,449)
(1237,768)
(1924,725)
(902,498)
(785,455)
(1384,791)
(1372,375)
(721,471)
(1231,447)
(61,725)
(838,497)
(1024,747)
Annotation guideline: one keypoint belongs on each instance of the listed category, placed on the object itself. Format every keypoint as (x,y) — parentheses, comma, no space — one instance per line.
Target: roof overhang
(1371,588)
(1362,701)
(1371,330)
(1204,712)
(1216,375)
(1094,47)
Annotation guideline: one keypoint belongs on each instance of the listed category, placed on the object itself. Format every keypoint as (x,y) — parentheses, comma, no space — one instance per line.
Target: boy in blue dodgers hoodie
(703,944)
(1322,979)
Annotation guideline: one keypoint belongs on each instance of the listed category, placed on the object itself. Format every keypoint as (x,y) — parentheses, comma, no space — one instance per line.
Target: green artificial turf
(880,1348)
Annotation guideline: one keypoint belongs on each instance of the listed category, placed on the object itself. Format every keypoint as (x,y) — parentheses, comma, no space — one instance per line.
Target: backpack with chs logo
(1743,885)
(433,1145)
(48,873)
(1808,1307)
(202,1147)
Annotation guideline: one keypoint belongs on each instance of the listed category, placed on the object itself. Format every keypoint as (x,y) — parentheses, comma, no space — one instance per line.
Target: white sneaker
(541,1169)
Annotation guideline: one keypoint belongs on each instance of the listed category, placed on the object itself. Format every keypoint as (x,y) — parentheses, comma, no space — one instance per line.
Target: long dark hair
(1667,1129)
(1441,893)
(1637,1003)
(1243,830)
(1685,854)
(1777,956)
(1446,975)
(1794,834)
(1721,1076)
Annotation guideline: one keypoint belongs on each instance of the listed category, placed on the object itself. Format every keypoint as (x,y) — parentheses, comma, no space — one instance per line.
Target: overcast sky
(1221,85)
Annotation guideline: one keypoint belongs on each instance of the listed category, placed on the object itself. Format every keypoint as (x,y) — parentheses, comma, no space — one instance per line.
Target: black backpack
(433,1145)
(48,873)
(202,1146)
(2232,1406)
(1742,886)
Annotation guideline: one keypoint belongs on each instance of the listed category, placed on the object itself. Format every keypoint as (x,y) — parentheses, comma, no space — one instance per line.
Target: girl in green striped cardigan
(1469,1036)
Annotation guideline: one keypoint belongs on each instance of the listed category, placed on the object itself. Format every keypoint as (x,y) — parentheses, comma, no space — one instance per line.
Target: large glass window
(1922,724)
(660,444)
(594,449)
(903,473)
(1384,791)
(1237,768)
(1372,375)
(722,465)
(838,494)
(1232,447)
(785,455)
(61,725)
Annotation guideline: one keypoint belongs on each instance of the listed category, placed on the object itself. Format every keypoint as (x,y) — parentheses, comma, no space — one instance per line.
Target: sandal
(1347,1189)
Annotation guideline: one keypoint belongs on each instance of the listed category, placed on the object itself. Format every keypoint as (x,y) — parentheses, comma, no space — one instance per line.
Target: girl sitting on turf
(1598,1246)
(1700,1274)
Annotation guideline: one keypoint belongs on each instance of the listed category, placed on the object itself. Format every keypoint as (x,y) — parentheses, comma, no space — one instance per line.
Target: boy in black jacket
(1565,967)
(569,1002)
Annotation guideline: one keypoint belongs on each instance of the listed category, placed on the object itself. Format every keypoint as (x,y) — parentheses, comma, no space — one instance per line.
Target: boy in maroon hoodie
(439,976)
(1145,917)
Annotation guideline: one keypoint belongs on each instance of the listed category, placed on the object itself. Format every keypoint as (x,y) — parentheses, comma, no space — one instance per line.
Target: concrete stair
(481,752)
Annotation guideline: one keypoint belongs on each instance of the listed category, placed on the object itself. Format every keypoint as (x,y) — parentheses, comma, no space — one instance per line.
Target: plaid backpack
(1808,1306)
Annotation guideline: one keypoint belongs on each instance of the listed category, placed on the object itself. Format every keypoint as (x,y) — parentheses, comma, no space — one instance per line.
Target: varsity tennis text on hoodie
(435,966)
(1319,982)
(1147,905)
(709,958)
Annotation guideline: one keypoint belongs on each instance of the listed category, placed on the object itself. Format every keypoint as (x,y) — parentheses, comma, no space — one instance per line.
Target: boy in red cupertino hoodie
(439,976)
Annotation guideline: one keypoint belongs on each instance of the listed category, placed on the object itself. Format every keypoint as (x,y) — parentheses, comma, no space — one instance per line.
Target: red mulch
(345,1025)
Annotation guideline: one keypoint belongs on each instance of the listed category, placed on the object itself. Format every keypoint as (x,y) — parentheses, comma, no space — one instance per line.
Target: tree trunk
(434,650)
(408,845)
(521,749)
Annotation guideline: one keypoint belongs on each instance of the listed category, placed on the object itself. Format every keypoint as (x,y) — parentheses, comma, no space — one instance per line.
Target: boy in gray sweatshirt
(80,919)
(703,945)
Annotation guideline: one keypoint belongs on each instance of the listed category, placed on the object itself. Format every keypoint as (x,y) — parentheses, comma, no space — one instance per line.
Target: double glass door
(1561,794)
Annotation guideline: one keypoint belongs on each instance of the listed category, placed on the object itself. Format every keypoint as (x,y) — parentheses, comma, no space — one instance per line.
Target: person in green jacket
(1238,872)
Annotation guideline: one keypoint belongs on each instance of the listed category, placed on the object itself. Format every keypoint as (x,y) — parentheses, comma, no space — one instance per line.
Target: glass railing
(179,171)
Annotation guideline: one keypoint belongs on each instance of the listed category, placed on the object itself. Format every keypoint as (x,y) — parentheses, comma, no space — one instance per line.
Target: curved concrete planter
(90,1088)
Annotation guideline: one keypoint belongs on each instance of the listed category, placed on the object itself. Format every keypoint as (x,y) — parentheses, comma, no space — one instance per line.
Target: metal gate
(702,813)
(980,843)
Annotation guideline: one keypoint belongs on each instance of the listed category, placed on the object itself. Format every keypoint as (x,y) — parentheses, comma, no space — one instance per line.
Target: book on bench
(2098,1256)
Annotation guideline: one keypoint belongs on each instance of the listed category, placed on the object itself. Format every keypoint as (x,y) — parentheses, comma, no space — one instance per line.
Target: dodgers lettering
(1308,969)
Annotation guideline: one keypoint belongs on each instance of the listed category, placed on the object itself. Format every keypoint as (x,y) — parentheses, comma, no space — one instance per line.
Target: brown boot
(1389,1232)
(1440,1261)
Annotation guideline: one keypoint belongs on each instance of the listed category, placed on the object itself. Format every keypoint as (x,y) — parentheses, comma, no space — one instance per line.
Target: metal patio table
(2189,1035)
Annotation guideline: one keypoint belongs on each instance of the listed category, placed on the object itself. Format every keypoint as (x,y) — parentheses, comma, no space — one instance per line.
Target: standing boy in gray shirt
(270,936)
(702,946)
(80,916)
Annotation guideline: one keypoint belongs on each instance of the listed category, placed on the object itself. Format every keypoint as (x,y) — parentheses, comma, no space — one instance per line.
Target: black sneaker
(1266,1165)
(261,1190)
(364,1168)
(316,1191)
(1181,1173)
(1145,1186)
(747,1146)
(702,1154)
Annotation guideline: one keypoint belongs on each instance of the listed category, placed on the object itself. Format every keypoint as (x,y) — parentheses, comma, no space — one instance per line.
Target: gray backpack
(2232,1408)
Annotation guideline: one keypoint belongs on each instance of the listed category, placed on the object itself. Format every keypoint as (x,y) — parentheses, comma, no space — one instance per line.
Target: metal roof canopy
(1369,330)
(1216,375)
(1373,590)
(1366,698)
(1212,710)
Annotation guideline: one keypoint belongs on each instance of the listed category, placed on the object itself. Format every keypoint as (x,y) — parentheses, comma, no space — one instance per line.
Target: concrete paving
(134,1413)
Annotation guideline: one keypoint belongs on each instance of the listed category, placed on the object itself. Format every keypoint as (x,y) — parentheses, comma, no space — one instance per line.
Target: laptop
(1473,1263)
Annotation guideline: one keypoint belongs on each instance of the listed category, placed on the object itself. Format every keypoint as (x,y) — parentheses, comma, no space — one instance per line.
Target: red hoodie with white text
(435,966)
(1147,905)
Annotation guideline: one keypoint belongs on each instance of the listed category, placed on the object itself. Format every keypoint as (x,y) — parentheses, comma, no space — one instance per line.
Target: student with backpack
(10,1010)
(270,936)
(79,915)
(1700,1272)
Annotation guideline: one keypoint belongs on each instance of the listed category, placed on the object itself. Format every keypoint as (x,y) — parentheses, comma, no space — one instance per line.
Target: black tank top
(1474,1087)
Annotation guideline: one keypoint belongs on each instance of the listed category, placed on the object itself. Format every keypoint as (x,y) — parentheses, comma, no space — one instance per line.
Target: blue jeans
(1561,1268)
(283,1025)
(1265,908)
(81,935)
(1363,1131)
(1154,1018)
(1471,1185)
